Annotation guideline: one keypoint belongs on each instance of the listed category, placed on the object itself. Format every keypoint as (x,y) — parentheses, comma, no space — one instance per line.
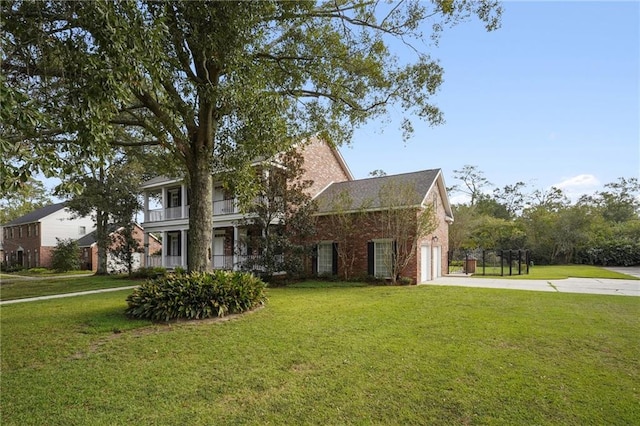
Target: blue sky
(551,98)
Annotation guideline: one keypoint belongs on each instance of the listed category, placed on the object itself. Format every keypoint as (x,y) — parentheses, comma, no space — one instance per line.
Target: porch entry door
(425,263)
(218,250)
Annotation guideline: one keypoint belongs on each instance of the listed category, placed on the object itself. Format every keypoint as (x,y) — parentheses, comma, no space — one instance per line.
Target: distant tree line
(600,229)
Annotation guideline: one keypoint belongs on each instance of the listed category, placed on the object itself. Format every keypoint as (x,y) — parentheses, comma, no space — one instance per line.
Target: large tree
(210,82)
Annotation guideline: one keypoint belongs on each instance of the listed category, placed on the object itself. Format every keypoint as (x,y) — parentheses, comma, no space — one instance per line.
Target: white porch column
(183,249)
(183,191)
(146,209)
(165,247)
(164,203)
(236,241)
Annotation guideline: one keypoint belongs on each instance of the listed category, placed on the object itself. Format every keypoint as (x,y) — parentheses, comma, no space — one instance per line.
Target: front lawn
(557,272)
(329,355)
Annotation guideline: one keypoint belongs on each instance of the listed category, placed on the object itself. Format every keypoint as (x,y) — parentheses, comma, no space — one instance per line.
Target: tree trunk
(200,213)
(102,241)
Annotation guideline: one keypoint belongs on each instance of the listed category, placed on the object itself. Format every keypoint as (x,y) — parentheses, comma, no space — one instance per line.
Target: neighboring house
(372,222)
(330,175)
(89,251)
(170,219)
(30,239)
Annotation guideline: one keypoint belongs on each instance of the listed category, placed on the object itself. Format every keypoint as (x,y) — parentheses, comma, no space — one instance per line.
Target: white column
(165,247)
(146,208)
(164,203)
(183,250)
(183,191)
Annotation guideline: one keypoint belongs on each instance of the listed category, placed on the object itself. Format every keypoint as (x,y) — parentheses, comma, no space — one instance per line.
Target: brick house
(366,217)
(170,218)
(30,239)
(326,168)
(89,251)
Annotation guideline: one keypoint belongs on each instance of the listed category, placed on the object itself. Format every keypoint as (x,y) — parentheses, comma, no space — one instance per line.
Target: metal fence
(489,262)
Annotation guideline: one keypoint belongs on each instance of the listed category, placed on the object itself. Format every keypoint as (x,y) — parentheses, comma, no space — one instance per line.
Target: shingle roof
(88,239)
(36,215)
(367,192)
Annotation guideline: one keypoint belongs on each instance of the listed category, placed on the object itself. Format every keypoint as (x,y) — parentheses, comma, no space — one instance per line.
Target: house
(331,176)
(169,219)
(362,225)
(30,239)
(89,250)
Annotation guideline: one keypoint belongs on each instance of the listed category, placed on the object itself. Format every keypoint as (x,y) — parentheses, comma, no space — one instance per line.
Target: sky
(552,98)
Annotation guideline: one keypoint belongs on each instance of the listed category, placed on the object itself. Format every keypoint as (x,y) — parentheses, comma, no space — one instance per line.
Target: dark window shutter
(370,258)
(314,260)
(334,259)
(394,257)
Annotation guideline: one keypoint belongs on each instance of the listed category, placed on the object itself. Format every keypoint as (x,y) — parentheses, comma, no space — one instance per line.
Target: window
(36,226)
(325,258)
(19,231)
(382,258)
(174,197)
(11,232)
(173,244)
(28,230)
(82,230)
(36,258)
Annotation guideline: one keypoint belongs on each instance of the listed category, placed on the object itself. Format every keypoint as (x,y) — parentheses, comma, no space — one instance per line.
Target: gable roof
(92,237)
(367,192)
(38,214)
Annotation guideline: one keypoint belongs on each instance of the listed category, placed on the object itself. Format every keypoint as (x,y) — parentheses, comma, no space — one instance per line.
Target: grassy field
(21,288)
(555,272)
(329,354)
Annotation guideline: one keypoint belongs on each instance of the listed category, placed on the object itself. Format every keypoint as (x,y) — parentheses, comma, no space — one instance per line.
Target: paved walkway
(58,296)
(619,287)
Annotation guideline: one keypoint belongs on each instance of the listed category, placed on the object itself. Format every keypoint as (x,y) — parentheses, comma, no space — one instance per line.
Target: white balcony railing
(224,207)
(173,261)
(156,215)
(173,212)
(170,213)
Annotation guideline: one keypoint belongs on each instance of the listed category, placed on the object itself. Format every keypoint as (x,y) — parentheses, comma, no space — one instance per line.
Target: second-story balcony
(220,208)
(170,213)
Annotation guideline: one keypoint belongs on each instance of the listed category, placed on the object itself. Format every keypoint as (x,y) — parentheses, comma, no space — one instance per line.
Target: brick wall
(321,166)
(367,228)
(24,236)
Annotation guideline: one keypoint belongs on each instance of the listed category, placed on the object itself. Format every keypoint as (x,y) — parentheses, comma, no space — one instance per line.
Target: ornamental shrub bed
(197,295)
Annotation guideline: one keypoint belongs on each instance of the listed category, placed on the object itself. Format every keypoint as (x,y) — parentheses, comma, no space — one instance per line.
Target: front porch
(231,248)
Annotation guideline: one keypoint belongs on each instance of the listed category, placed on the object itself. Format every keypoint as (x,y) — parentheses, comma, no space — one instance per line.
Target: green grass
(321,354)
(556,272)
(19,289)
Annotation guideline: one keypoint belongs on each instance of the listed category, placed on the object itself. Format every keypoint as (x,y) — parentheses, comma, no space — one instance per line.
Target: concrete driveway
(620,287)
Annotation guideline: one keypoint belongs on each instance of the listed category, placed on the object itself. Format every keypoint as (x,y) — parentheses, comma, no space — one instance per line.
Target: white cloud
(574,187)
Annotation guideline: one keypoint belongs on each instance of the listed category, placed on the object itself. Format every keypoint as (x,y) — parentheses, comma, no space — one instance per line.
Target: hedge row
(197,295)
(611,254)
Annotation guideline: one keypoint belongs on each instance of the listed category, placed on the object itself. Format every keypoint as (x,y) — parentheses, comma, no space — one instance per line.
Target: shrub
(149,272)
(196,295)
(38,270)
(65,256)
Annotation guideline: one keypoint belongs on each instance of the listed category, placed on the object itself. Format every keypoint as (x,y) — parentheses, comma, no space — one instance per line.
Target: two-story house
(166,214)
(30,239)
(166,209)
